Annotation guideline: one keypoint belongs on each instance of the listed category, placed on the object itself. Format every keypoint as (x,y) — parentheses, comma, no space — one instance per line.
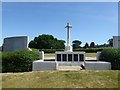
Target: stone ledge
(97,65)
(44,65)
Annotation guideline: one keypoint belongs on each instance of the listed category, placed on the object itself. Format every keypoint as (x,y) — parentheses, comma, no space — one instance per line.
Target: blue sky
(91,21)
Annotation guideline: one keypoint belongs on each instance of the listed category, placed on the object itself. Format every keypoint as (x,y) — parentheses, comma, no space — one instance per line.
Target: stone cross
(68,33)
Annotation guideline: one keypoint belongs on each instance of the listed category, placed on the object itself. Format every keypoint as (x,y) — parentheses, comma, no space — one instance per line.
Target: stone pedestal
(68,49)
(97,65)
(98,55)
(116,41)
(41,65)
(41,53)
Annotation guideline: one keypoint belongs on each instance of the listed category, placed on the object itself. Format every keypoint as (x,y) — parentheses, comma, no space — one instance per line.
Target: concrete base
(97,65)
(41,65)
(68,49)
(116,41)
(44,65)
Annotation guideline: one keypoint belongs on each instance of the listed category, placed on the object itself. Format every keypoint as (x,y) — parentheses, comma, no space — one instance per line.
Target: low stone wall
(44,65)
(41,65)
(97,65)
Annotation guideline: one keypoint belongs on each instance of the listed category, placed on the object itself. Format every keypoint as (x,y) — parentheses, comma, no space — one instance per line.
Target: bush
(113,56)
(18,61)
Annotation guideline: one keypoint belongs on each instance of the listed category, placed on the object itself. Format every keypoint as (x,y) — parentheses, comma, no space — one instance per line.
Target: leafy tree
(92,45)
(46,41)
(110,42)
(76,44)
(86,45)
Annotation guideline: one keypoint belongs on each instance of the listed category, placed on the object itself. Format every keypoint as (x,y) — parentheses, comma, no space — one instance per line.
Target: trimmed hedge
(88,50)
(19,61)
(50,50)
(113,56)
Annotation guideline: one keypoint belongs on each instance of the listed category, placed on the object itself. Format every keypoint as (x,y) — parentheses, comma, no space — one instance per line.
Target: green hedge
(50,50)
(19,61)
(113,56)
(88,50)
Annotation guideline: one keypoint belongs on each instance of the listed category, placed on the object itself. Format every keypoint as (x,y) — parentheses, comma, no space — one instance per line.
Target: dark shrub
(18,61)
(113,56)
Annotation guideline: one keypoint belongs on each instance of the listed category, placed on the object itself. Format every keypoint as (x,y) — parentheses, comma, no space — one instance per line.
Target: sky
(91,21)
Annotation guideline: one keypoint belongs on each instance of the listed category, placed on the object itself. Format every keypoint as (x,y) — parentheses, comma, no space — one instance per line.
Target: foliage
(113,56)
(110,42)
(46,41)
(50,50)
(76,44)
(18,61)
(102,45)
(92,45)
(89,50)
(86,45)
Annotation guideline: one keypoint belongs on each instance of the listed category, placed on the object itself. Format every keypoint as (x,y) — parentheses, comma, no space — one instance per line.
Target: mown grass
(90,54)
(61,79)
(49,54)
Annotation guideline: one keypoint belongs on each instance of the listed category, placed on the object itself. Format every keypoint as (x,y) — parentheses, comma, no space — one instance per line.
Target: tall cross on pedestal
(68,33)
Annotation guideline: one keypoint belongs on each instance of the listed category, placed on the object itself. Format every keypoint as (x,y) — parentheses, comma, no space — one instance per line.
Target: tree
(92,45)
(110,42)
(46,41)
(86,45)
(76,44)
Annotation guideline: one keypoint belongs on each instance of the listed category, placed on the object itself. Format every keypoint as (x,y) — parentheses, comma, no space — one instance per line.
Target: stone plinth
(68,49)
(15,43)
(44,65)
(116,41)
(41,54)
(97,65)
(98,55)
(69,56)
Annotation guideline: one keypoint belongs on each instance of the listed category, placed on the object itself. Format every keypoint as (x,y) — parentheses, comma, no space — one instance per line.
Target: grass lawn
(49,54)
(61,79)
(90,54)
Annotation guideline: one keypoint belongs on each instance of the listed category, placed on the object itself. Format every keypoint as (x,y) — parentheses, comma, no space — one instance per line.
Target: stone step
(68,67)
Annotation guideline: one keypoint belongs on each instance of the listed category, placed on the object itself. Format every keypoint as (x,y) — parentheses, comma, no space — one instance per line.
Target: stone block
(116,41)
(44,65)
(41,54)
(98,55)
(97,65)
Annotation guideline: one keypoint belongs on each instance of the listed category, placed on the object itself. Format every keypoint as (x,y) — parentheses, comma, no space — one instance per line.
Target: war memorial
(70,60)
